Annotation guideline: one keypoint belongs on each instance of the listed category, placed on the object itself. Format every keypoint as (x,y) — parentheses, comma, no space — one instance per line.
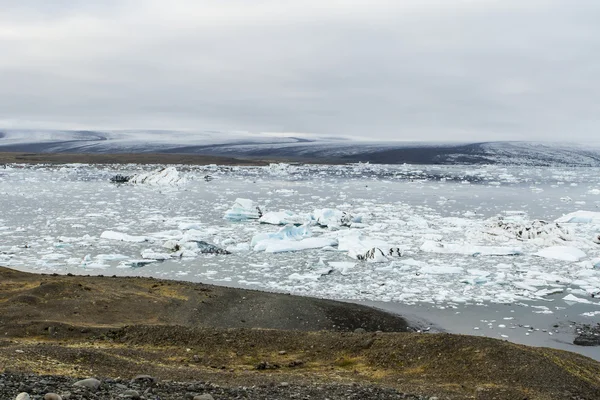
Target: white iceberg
(574,299)
(563,253)
(298,245)
(149,254)
(283,218)
(328,217)
(468,249)
(580,217)
(243,209)
(162,176)
(290,238)
(368,249)
(123,237)
(288,232)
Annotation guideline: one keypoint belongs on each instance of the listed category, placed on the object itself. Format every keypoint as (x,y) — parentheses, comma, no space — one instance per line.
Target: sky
(437,70)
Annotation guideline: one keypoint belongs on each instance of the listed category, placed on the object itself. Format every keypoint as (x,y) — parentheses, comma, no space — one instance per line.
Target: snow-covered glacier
(301,147)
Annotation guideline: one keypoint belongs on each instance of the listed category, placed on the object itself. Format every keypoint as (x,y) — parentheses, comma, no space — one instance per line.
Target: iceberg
(502,228)
(368,249)
(149,254)
(328,217)
(563,253)
(192,248)
(298,245)
(243,209)
(469,249)
(289,232)
(290,238)
(123,237)
(580,217)
(161,176)
(283,218)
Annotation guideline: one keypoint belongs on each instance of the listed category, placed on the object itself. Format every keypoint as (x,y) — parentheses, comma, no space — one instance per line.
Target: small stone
(131,394)
(284,384)
(205,396)
(52,396)
(23,396)
(143,378)
(360,330)
(90,383)
(282,352)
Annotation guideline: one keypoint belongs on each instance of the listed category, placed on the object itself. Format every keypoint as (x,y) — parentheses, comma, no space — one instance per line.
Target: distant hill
(299,148)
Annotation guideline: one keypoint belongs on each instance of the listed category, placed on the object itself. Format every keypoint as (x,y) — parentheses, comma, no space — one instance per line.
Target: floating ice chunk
(283,218)
(563,253)
(289,232)
(243,209)
(123,237)
(161,176)
(590,314)
(574,299)
(501,228)
(135,263)
(184,226)
(334,218)
(367,249)
(440,270)
(111,257)
(281,246)
(201,247)
(596,263)
(342,266)
(548,292)
(149,254)
(376,254)
(238,248)
(580,217)
(468,249)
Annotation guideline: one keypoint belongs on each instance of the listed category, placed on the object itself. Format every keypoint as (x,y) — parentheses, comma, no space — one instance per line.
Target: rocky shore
(182,340)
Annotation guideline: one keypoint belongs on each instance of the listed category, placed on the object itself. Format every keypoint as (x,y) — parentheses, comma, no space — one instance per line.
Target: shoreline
(152,158)
(129,326)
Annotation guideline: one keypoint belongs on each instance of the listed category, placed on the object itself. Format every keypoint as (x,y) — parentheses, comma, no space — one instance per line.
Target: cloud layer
(378,69)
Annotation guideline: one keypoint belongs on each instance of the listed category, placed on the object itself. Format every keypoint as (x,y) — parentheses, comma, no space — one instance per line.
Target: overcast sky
(385,69)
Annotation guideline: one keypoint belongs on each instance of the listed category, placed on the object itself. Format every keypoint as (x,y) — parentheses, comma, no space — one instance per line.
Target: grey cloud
(414,70)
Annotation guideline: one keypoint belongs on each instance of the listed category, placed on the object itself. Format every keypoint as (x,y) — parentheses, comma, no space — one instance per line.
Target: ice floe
(563,253)
(580,217)
(243,209)
(469,249)
(284,218)
(123,237)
